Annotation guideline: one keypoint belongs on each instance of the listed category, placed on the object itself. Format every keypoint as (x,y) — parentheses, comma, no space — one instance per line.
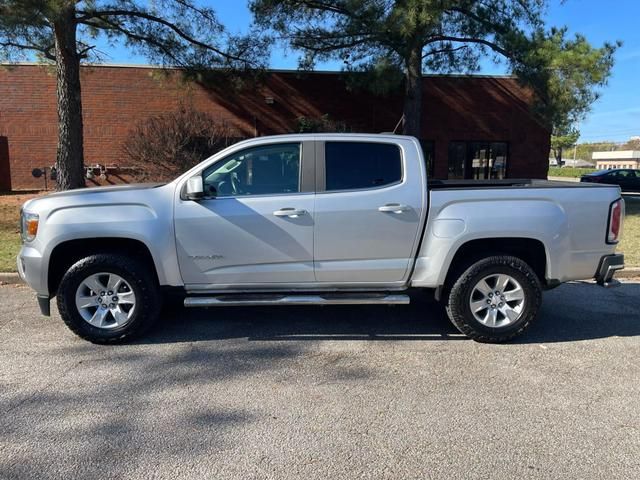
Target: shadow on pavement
(585,311)
(422,320)
(572,312)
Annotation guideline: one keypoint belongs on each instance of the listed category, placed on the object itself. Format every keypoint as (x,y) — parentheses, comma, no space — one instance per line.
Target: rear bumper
(609,264)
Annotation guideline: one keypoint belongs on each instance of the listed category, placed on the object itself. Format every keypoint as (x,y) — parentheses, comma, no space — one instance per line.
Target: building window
(478,160)
(457,160)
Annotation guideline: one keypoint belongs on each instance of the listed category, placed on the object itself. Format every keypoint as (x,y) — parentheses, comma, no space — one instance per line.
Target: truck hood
(87,191)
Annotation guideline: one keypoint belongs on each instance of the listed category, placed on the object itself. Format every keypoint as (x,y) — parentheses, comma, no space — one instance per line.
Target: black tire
(143,283)
(459,310)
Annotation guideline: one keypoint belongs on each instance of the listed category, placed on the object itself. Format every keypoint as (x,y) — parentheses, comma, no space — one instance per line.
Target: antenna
(401,121)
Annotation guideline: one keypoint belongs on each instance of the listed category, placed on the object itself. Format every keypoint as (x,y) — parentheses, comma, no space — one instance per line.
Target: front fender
(115,220)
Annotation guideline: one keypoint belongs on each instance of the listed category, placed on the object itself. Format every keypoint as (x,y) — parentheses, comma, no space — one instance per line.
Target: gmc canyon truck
(317,219)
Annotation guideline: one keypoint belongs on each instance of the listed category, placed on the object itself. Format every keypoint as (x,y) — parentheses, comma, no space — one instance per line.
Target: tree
(631,144)
(165,145)
(442,35)
(323,123)
(170,32)
(585,150)
(565,73)
(561,139)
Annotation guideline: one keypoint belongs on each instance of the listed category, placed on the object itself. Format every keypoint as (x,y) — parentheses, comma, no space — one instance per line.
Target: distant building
(619,159)
(570,162)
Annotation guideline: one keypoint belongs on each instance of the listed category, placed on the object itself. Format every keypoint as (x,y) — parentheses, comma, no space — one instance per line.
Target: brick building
(473,126)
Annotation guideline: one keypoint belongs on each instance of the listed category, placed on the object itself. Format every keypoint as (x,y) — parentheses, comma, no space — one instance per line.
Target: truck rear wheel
(108,298)
(495,299)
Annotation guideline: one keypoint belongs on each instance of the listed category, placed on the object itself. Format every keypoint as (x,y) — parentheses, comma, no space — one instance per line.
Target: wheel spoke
(119,316)
(484,287)
(114,283)
(502,282)
(509,313)
(492,317)
(94,284)
(479,305)
(513,295)
(126,298)
(84,301)
(98,317)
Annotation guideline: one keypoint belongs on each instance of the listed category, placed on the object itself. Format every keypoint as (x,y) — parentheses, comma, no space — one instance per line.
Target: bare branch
(46,51)
(481,41)
(146,39)
(443,50)
(85,16)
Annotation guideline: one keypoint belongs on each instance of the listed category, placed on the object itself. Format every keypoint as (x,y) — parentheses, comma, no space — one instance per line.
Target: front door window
(265,170)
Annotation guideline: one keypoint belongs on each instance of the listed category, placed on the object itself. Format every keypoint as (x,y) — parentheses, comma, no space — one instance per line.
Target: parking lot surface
(325,393)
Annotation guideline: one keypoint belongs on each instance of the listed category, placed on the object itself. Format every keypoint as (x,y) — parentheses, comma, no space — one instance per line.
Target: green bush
(569,172)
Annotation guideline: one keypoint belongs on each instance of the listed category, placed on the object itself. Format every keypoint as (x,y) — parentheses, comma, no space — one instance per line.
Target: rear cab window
(361,165)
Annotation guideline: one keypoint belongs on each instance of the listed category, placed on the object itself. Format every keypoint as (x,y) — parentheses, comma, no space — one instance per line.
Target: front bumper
(30,269)
(609,264)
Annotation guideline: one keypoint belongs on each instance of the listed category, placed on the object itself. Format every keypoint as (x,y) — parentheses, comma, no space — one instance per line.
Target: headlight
(29,226)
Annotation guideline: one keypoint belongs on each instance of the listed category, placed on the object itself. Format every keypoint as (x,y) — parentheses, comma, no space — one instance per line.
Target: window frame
(321,170)
(306,174)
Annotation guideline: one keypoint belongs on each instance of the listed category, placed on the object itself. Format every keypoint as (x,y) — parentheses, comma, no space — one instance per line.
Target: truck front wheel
(108,298)
(495,299)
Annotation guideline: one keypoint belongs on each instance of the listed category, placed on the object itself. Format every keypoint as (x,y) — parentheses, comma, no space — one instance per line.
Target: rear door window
(361,165)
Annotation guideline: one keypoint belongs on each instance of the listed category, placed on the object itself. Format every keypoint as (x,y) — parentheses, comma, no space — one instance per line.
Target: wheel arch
(530,250)
(67,253)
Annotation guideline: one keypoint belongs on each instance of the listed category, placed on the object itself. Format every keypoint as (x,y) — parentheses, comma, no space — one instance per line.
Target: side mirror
(195,188)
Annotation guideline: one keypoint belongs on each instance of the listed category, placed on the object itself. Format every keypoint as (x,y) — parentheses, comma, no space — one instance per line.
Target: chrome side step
(328,299)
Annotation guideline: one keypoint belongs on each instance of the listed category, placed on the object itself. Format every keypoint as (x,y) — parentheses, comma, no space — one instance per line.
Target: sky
(615,116)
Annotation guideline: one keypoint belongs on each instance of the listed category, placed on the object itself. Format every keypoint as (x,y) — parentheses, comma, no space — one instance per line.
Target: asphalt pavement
(325,393)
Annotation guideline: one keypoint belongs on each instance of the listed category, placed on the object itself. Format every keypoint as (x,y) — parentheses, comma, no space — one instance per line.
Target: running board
(329,299)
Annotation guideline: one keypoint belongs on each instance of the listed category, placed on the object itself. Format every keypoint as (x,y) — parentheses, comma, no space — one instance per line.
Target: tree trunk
(413,93)
(69,157)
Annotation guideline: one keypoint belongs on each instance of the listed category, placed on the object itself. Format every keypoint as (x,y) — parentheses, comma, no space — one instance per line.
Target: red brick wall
(115,98)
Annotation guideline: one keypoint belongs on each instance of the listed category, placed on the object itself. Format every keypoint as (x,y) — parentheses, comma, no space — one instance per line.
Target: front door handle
(289,212)
(394,208)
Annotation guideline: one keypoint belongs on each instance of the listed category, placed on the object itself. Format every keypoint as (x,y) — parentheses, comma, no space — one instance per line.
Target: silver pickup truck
(316,219)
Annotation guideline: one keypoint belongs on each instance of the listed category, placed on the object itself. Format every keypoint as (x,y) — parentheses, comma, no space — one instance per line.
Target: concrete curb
(14,278)
(10,279)
(628,273)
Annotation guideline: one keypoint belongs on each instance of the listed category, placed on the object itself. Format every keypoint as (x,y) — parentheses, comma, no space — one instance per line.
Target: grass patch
(10,204)
(9,246)
(630,243)
(569,172)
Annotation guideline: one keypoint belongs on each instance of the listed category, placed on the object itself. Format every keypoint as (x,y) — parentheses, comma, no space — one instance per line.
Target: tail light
(615,221)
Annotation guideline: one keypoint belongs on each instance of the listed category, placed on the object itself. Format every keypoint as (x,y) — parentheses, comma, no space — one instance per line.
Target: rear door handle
(289,212)
(394,208)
